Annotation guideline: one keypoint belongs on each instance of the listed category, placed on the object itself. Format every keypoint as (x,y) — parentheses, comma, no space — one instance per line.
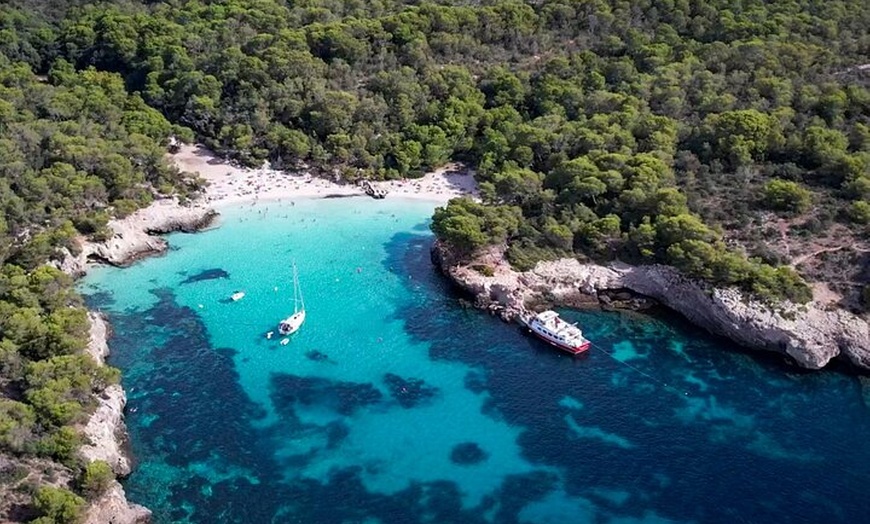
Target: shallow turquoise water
(393,404)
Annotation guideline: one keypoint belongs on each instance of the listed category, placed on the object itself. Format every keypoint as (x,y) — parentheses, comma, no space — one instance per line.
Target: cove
(395,404)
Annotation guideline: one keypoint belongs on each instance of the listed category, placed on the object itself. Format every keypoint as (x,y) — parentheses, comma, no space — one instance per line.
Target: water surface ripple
(393,404)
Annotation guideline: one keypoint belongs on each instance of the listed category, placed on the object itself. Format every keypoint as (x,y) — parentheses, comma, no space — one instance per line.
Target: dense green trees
(598,120)
(75,149)
(650,130)
(468,225)
(58,506)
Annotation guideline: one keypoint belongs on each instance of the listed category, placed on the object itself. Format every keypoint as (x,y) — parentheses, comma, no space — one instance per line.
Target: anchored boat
(550,328)
(291,324)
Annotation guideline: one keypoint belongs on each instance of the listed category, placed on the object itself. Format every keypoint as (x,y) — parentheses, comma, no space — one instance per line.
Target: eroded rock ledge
(135,236)
(811,334)
(105,432)
(106,436)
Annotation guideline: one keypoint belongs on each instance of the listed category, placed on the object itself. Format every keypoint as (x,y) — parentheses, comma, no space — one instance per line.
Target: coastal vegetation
(728,139)
(76,148)
(681,133)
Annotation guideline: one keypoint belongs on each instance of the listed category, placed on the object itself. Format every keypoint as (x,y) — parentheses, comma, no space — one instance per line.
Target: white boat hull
(550,328)
(291,324)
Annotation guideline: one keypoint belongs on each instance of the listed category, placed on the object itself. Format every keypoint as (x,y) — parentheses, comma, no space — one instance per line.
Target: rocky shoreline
(811,335)
(134,237)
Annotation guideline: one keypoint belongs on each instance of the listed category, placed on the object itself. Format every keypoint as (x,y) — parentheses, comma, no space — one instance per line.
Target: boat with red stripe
(550,328)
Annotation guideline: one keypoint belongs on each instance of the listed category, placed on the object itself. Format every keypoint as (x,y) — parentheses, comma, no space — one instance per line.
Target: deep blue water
(393,404)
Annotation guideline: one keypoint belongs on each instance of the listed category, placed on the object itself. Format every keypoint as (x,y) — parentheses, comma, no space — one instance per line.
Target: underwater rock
(468,453)
(208,274)
(317,356)
(409,392)
(342,397)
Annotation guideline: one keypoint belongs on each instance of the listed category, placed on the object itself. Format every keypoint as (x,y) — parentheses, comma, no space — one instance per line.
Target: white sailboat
(291,324)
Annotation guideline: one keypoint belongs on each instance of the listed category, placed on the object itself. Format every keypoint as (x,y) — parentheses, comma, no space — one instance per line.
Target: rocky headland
(137,235)
(810,334)
(105,432)
(106,437)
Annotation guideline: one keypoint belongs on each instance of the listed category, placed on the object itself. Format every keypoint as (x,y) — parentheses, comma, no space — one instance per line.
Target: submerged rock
(811,334)
(287,391)
(134,236)
(317,356)
(468,453)
(409,392)
(208,274)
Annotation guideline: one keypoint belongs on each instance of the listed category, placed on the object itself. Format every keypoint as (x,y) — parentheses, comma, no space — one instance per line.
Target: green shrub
(859,212)
(58,506)
(785,195)
(96,479)
(484,269)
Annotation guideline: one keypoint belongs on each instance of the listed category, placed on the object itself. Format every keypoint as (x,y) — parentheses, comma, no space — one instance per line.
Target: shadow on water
(750,441)
(205,460)
(693,430)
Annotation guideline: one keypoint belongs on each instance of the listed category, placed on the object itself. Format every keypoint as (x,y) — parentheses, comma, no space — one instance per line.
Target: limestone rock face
(107,433)
(811,334)
(98,346)
(113,508)
(135,236)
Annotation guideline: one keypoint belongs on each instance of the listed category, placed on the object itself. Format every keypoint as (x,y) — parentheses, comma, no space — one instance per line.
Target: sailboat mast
(299,290)
(295,290)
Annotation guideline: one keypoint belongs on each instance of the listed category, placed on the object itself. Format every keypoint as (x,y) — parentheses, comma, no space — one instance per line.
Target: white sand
(229,184)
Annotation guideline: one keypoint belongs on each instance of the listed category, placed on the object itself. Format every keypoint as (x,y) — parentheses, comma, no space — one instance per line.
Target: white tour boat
(549,327)
(291,324)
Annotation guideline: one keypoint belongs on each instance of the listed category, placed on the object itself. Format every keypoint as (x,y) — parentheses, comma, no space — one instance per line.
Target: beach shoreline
(229,184)
(139,235)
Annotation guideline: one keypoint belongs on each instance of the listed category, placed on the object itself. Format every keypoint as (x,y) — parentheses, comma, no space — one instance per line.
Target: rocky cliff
(106,435)
(811,334)
(135,236)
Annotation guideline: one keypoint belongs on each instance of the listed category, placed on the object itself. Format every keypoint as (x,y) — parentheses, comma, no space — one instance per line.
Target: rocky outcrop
(106,437)
(135,236)
(106,432)
(811,334)
(98,345)
(113,508)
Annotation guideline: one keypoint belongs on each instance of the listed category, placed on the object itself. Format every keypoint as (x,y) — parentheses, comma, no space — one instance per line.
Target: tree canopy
(719,137)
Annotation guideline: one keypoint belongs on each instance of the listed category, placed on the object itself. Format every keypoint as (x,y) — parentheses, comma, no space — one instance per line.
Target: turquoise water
(394,404)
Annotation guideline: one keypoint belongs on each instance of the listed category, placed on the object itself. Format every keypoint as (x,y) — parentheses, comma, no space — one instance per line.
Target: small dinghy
(285,341)
(238,295)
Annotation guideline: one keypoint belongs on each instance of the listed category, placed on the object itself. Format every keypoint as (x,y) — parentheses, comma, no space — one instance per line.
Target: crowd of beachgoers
(231,184)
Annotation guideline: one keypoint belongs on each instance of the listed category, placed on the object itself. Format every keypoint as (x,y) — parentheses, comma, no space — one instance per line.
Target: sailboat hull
(291,324)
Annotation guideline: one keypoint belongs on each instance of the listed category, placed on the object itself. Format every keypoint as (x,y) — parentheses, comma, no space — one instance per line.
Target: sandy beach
(229,184)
